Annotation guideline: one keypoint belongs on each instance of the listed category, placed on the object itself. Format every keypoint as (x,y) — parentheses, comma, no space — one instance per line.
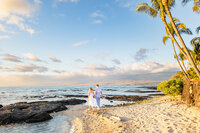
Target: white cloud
(4,37)
(98,21)
(32,57)
(54,59)
(148,67)
(99,55)
(30,31)
(16,12)
(2,28)
(27,68)
(12,58)
(97,14)
(19,7)
(130,73)
(80,43)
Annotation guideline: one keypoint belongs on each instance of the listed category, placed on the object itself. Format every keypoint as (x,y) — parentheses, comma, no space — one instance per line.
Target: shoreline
(73,112)
(158,114)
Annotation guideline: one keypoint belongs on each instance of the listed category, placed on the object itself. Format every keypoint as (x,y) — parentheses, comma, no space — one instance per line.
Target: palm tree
(153,11)
(162,7)
(166,4)
(182,29)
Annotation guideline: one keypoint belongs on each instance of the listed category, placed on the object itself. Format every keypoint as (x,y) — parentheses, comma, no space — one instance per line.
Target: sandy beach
(157,115)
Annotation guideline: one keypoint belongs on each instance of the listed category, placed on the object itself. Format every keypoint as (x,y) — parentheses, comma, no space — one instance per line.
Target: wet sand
(74,111)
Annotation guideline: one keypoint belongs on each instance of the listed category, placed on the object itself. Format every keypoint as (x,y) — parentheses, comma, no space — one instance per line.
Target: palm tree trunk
(174,40)
(185,73)
(184,65)
(191,61)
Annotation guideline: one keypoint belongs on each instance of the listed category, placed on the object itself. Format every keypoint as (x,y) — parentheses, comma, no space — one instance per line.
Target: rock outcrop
(126,97)
(33,111)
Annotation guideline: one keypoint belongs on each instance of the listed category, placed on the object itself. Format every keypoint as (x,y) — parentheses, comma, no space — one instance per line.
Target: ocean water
(9,95)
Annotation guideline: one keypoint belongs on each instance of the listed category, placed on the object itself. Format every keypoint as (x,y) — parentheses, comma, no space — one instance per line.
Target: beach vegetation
(195,52)
(191,73)
(172,87)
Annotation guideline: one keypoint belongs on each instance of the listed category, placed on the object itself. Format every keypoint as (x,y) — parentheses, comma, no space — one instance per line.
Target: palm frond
(181,26)
(171,29)
(184,2)
(183,29)
(171,3)
(165,38)
(155,4)
(176,20)
(181,55)
(196,8)
(143,7)
(197,2)
(195,39)
(175,56)
(198,29)
(186,31)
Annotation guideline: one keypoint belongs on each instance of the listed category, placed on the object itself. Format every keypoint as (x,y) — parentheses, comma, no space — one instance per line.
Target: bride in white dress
(91,99)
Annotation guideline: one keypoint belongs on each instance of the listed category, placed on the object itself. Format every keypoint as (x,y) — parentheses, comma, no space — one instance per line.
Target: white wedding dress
(91,99)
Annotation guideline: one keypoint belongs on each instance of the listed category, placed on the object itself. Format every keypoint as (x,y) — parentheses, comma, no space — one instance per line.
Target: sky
(74,42)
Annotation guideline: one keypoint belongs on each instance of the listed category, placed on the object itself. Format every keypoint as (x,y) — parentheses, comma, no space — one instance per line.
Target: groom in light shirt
(98,94)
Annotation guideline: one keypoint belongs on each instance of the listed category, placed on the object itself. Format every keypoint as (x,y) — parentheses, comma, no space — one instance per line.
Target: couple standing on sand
(98,95)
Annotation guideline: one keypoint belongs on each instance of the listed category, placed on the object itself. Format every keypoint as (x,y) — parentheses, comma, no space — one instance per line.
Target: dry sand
(157,115)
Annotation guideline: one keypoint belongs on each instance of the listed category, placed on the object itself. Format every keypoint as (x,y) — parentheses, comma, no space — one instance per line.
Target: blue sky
(68,40)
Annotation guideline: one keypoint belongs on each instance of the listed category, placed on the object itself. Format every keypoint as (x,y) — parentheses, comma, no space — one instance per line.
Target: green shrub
(171,87)
(192,74)
(190,71)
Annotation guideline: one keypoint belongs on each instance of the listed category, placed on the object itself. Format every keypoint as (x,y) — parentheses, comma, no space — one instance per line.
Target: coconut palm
(163,7)
(182,29)
(187,53)
(155,9)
